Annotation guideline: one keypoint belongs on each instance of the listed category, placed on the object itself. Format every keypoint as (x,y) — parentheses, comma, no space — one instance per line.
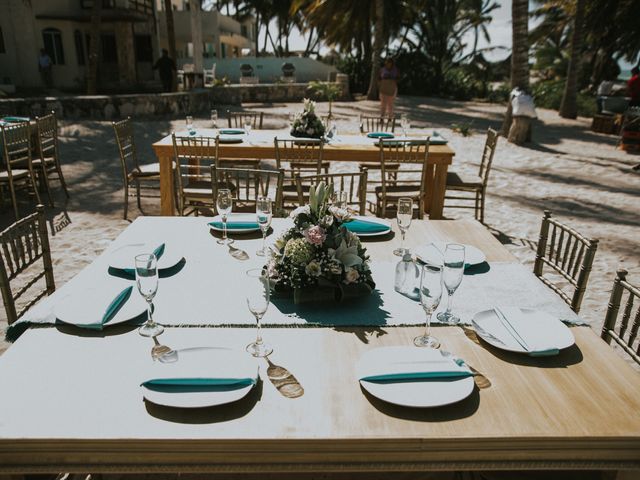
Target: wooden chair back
(126,146)
(354,184)
(626,333)
(377,124)
(48,136)
(248,185)
(568,254)
(194,159)
(240,119)
(401,156)
(16,143)
(23,244)
(487,155)
(303,156)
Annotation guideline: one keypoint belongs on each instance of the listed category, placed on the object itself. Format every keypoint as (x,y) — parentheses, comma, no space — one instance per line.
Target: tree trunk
(256,33)
(196,37)
(94,48)
(378,40)
(519,53)
(569,105)
(171,39)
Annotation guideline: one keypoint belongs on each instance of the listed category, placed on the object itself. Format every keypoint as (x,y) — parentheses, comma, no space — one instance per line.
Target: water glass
(341,199)
(430,294)
(452,277)
(257,293)
(247,127)
(264,215)
(190,128)
(224,203)
(292,119)
(214,118)
(404,216)
(405,124)
(146,266)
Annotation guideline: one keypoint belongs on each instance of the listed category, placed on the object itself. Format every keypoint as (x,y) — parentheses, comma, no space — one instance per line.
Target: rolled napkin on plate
(232,131)
(525,332)
(197,383)
(111,311)
(235,224)
(16,119)
(380,135)
(359,225)
(159,251)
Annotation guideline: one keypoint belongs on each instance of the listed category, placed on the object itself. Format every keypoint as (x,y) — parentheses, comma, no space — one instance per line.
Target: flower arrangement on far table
(307,123)
(318,259)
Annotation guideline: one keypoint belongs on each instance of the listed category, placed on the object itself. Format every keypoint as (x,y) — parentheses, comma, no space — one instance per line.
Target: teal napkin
(237,225)
(197,384)
(401,377)
(16,119)
(363,226)
(437,139)
(158,252)
(111,311)
(380,135)
(232,131)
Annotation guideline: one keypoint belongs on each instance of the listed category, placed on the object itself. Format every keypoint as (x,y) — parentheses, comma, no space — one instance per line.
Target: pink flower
(315,235)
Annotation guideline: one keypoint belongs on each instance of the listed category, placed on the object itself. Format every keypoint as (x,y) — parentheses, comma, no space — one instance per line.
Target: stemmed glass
(257,292)
(405,124)
(247,127)
(404,216)
(264,214)
(214,118)
(430,294)
(452,277)
(224,203)
(146,266)
(190,128)
(341,199)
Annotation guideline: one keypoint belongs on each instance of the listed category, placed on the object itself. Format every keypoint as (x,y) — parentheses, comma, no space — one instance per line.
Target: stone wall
(108,107)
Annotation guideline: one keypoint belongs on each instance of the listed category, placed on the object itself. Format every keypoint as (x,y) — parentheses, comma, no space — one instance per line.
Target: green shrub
(548,94)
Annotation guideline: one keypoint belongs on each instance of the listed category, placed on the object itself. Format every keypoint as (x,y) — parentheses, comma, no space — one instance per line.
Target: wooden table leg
(437,192)
(428,187)
(167,202)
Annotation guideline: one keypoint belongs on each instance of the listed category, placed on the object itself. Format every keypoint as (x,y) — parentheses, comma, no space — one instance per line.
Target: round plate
(232,131)
(373,220)
(199,362)
(122,257)
(423,394)
(230,139)
(491,329)
(434,252)
(83,307)
(237,217)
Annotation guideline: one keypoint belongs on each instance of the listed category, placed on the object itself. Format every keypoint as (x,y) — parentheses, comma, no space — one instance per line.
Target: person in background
(388,87)
(44,66)
(165,66)
(633,86)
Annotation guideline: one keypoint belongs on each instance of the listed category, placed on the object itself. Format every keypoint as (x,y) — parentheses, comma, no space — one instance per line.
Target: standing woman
(388,87)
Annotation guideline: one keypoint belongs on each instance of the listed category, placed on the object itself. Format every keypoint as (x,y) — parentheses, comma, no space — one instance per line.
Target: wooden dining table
(71,399)
(345,148)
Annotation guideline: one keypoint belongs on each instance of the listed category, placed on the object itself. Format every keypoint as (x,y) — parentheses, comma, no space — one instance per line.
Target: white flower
(313,269)
(351,275)
(304,209)
(347,255)
(352,239)
(341,214)
(335,267)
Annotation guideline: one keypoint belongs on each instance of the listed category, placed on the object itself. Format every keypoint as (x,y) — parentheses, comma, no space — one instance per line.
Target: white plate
(237,217)
(428,393)
(88,306)
(491,329)
(433,252)
(122,257)
(373,220)
(200,361)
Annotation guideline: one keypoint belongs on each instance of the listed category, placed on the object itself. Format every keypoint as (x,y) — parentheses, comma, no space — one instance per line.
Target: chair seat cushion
(397,191)
(456,179)
(16,173)
(147,170)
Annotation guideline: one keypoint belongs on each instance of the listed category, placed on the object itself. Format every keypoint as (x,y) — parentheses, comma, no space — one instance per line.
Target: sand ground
(577,174)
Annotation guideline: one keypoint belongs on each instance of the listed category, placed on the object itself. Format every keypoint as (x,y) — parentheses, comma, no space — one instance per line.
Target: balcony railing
(141,6)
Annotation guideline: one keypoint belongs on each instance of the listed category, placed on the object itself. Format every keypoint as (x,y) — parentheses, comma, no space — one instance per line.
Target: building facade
(128,42)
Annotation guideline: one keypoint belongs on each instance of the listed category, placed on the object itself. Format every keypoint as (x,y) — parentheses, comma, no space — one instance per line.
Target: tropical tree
(378,39)
(94,43)
(519,53)
(569,104)
(171,38)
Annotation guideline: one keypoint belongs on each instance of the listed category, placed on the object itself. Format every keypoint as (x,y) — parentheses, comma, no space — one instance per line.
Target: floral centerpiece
(307,124)
(318,259)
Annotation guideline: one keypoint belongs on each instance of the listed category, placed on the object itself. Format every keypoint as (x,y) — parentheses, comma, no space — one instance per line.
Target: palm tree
(171,38)
(519,53)
(569,105)
(196,34)
(378,39)
(94,39)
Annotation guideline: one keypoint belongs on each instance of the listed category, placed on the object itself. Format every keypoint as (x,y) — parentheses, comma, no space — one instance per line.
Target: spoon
(162,352)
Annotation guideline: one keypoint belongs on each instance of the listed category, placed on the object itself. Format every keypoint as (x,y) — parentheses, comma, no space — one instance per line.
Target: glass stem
(449,302)
(402,240)
(427,330)
(259,332)
(264,239)
(150,321)
(224,228)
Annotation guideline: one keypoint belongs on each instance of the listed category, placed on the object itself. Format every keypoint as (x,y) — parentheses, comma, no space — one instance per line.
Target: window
(2,49)
(144,50)
(88,4)
(77,39)
(53,45)
(109,48)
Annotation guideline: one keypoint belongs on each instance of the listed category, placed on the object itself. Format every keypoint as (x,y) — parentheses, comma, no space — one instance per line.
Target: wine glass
(264,214)
(430,294)
(214,118)
(452,277)
(342,199)
(190,128)
(257,291)
(292,119)
(146,266)
(405,124)
(224,202)
(247,126)
(404,216)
